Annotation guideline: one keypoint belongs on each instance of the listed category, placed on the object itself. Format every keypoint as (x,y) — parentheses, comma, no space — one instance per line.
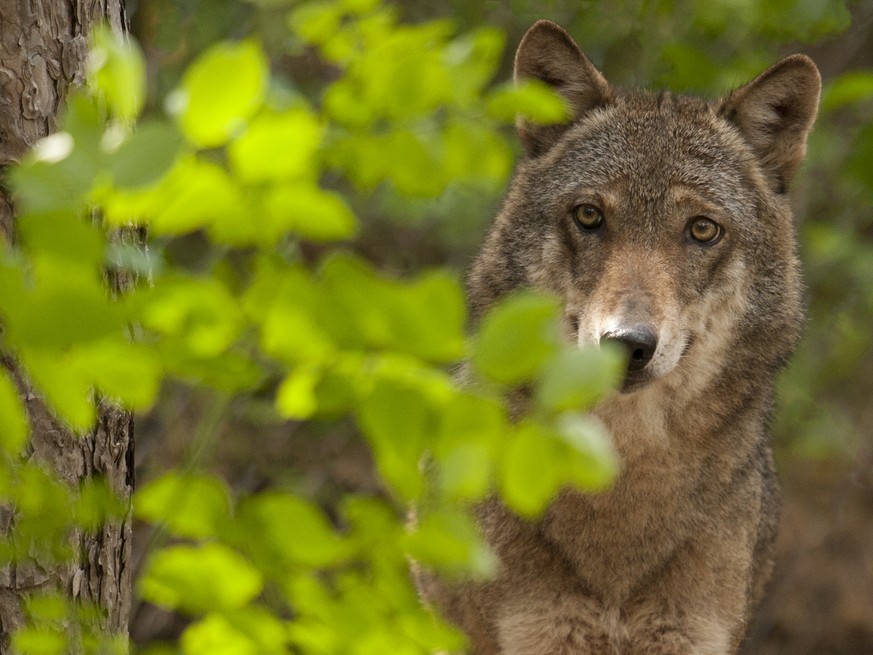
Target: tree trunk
(43,44)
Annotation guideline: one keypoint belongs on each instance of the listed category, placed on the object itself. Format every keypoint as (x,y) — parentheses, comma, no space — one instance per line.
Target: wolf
(662,223)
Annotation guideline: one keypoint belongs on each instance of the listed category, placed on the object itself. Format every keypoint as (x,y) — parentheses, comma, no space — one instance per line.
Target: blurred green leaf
(120,370)
(13,422)
(539,459)
(451,542)
(848,89)
(67,388)
(310,212)
(592,464)
(192,505)
(200,578)
(116,72)
(146,156)
(516,338)
(577,378)
(199,311)
(221,91)
(296,397)
(529,98)
(398,421)
(236,633)
(529,476)
(471,435)
(277,146)
(279,530)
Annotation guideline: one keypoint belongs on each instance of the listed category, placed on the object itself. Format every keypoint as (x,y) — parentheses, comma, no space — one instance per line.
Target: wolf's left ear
(549,54)
(775,112)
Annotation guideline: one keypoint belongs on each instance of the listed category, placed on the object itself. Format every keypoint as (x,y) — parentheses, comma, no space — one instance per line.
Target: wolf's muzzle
(640,343)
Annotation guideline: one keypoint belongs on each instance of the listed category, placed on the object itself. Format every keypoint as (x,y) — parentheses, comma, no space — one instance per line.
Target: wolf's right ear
(775,112)
(549,54)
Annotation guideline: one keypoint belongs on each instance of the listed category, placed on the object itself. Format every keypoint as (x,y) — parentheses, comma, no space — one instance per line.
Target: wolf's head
(660,221)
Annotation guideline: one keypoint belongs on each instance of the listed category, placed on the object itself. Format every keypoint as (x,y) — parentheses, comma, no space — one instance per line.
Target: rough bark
(42,50)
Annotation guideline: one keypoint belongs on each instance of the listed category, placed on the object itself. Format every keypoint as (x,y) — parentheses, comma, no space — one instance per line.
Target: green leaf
(593,463)
(200,311)
(64,385)
(192,505)
(116,72)
(249,630)
(541,458)
(414,163)
(450,541)
(196,193)
(279,531)
(220,91)
(121,370)
(424,319)
(398,421)
(472,430)
(64,243)
(60,171)
(310,212)
(277,147)
(296,397)
(530,99)
(13,422)
(147,156)
(578,378)
(200,578)
(848,89)
(529,476)
(215,635)
(41,640)
(516,338)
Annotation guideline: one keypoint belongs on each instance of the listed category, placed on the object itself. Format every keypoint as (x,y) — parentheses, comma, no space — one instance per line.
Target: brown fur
(673,557)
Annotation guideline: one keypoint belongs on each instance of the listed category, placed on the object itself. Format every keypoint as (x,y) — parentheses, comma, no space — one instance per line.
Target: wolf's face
(644,219)
(659,221)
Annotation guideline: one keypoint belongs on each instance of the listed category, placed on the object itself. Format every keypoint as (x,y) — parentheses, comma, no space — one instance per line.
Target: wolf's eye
(587,217)
(704,230)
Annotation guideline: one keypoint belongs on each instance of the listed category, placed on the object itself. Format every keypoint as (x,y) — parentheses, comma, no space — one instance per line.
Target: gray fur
(672,559)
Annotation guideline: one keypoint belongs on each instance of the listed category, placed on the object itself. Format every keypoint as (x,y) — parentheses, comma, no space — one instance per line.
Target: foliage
(257,170)
(274,178)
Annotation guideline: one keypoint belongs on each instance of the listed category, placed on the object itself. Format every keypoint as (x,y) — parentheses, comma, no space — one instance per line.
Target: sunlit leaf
(310,212)
(451,541)
(120,370)
(296,397)
(248,630)
(64,385)
(13,423)
(221,91)
(116,72)
(529,98)
(516,338)
(471,434)
(290,532)
(277,146)
(847,89)
(529,477)
(198,310)
(200,578)
(189,505)
(577,378)
(398,423)
(146,156)
(593,464)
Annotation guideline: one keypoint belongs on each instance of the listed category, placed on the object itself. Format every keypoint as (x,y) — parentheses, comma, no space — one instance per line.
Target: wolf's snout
(640,342)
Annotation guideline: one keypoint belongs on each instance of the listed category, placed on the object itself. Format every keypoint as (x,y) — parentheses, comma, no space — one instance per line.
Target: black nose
(640,341)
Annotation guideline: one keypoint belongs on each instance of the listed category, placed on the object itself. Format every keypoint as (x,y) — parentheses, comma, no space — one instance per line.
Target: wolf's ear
(775,112)
(549,54)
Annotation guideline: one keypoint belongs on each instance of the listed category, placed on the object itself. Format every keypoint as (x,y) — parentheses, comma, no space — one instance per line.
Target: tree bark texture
(43,44)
